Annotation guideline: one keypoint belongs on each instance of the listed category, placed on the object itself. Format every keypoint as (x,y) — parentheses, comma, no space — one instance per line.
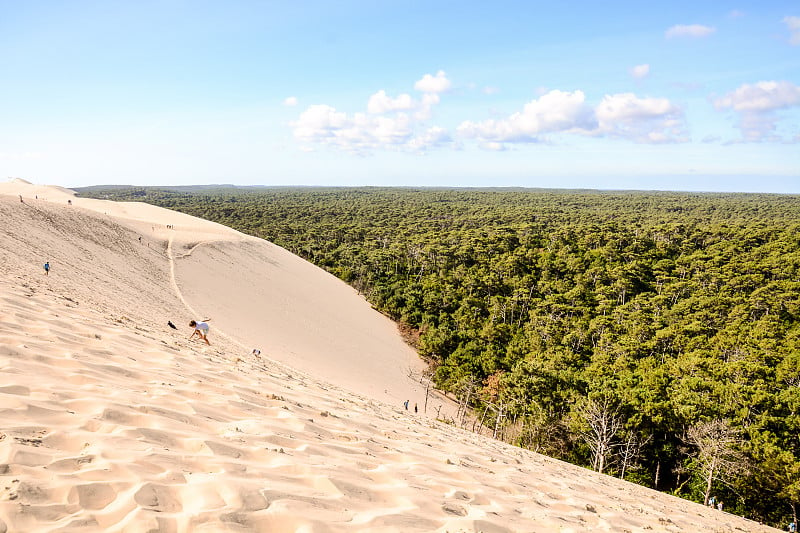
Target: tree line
(653,336)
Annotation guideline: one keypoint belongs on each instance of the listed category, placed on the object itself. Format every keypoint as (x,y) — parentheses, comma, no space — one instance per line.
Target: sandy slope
(109,420)
(294,312)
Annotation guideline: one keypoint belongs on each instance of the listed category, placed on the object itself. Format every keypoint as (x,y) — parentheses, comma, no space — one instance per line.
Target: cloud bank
(401,122)
(621,116)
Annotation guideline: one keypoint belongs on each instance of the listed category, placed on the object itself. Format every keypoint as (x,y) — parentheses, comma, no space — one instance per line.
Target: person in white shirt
(200,329)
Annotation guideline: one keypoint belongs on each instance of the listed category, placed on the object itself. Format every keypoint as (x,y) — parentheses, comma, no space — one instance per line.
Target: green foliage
(668,310)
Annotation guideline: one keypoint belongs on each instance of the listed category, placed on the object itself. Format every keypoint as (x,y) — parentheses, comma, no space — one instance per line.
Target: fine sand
(112,421)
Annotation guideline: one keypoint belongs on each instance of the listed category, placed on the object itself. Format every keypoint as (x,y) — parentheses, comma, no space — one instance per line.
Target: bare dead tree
(480,426)
(466,391)
(427,381)
(499,419)
(629,451)
(604,421)
(717,452)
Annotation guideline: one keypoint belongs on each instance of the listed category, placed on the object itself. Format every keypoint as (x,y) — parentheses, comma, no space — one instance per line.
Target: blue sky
(608,95)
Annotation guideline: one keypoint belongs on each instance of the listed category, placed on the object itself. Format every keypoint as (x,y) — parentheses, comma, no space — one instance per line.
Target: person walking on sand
(47,268)
(200,329)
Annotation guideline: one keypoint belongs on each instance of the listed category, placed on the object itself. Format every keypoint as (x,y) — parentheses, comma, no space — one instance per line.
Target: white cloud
(640,71)
(553,112)
(645,120)
(381,103)
(290,101)
(424,110)
(433,84)
(762,96)
(689,30)
(390,123)
(319,123)
(793,23)
(624,116)
(757,105)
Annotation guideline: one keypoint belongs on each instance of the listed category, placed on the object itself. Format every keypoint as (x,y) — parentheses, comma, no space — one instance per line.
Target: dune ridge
(111,421)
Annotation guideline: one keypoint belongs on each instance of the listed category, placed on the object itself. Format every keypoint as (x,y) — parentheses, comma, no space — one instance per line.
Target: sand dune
(296,313)
(112,421)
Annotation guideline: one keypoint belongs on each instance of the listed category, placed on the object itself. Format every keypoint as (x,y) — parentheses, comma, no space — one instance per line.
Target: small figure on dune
(405,404)
(47,268)
(200,329)
(170,324)
(416,409)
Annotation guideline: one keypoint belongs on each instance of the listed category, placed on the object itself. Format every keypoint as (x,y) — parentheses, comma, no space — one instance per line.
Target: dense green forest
(651,336)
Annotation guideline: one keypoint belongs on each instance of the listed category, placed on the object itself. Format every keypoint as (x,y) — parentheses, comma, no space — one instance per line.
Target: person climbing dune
(200,329)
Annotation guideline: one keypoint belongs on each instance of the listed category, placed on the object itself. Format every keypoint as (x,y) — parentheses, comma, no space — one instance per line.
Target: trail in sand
(172,279)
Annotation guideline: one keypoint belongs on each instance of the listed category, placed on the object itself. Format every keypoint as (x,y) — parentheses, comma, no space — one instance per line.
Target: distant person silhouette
(47,268)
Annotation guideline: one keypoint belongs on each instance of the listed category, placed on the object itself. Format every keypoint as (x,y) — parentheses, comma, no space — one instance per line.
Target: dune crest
(112,421)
